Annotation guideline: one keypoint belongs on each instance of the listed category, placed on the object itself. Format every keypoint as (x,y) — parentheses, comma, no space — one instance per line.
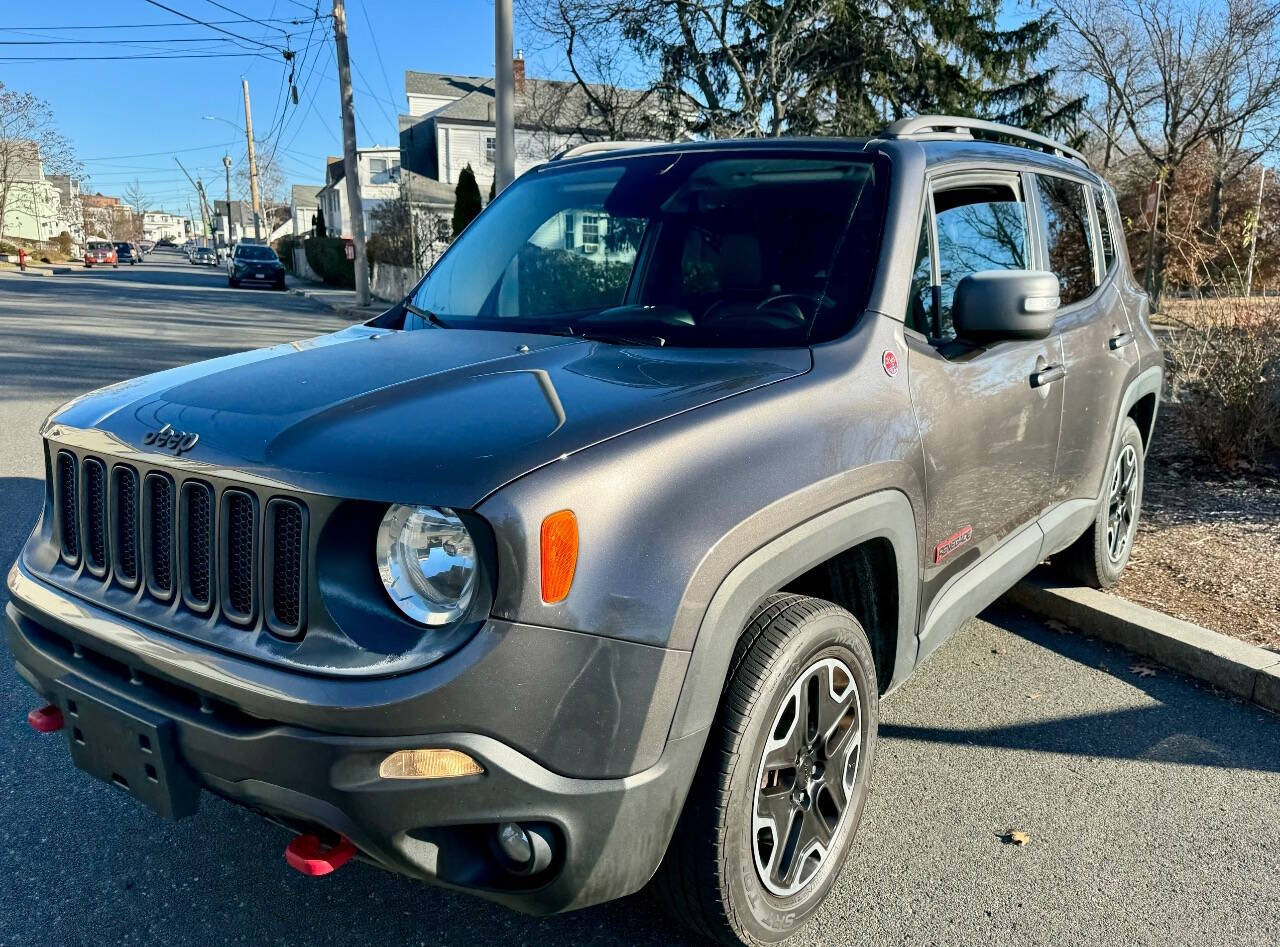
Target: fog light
(428,764)
(525,849)
(515,843)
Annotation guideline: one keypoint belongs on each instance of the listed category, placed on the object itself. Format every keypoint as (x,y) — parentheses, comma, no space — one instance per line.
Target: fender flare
(884,514)
(1145,383)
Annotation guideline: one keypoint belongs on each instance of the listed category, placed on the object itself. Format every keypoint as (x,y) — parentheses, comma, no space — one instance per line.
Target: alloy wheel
(1122,503)
(806,775)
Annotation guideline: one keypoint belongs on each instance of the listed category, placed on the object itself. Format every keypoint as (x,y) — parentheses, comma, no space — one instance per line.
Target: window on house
(1069,236)
(570,234)
(377,165)
(590,233)
(490,148)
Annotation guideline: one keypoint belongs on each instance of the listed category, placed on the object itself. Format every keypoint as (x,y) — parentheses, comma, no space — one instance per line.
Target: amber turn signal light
(559,555)
(428,764)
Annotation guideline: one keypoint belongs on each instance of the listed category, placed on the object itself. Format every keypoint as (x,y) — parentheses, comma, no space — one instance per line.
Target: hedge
(328,257)
(284,248)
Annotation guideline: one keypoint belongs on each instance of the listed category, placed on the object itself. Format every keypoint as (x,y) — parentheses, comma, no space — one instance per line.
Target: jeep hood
(443,416)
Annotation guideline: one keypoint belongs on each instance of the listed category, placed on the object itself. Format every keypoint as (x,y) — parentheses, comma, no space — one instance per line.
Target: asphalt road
(1153,805)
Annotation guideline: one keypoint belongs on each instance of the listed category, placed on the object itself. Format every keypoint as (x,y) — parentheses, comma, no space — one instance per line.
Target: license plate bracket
(126,745)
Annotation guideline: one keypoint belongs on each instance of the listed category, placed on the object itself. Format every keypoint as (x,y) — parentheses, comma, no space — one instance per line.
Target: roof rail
(601,147)
(952,126)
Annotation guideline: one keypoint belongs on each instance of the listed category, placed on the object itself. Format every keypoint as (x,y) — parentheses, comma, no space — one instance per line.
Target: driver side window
(979,227)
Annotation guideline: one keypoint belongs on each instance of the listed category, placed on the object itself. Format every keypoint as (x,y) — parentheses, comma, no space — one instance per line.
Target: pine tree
(493,190)
(318,220)
(466,200)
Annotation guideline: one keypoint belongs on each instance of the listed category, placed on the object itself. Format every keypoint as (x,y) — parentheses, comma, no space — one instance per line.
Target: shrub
(466,199)
(328,257)
(8,248)
(284,248)
(63,240)
(1224,359)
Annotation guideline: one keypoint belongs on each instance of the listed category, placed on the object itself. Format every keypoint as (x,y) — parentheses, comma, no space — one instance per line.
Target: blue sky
(127,117)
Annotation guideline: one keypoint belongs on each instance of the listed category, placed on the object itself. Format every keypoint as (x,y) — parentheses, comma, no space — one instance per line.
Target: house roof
(304,194)
(443,84)
(424,190)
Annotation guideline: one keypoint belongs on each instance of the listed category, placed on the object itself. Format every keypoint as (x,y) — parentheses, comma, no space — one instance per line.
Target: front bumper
(611,832)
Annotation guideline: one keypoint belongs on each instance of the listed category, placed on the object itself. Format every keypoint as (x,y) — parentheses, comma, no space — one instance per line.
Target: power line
(373,38)
(228,9)
(151,26)
(18,59)
(157,3)
(152,154)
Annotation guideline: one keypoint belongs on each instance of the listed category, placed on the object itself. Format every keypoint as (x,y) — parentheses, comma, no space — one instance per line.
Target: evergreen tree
(318,222)
(466,200)
(493,189)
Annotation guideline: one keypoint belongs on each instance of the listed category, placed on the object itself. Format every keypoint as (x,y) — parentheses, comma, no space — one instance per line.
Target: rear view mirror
(1005,304)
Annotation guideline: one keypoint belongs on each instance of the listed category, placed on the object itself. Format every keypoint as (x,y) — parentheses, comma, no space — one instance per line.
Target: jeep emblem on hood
(168,439)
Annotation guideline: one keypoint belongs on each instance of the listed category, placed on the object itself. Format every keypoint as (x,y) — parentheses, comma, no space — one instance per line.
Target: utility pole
(206,222)
(350,164)
(226,164)
(504,158)
(253,166)
(1253,242)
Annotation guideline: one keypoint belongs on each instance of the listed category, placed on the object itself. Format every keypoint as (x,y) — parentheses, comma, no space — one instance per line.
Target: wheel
(779,792)
(115,266)
(1099,556)
(234,284)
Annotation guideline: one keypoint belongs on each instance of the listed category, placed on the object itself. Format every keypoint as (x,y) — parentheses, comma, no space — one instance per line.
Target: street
(1152,804)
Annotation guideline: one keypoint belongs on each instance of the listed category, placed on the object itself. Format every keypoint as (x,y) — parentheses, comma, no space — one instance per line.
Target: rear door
(990,432)
(1098,344)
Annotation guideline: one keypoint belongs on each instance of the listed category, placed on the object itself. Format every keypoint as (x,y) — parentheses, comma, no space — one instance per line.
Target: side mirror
(1005,304)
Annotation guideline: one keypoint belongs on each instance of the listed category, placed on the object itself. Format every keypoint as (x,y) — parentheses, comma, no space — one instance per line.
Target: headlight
(427,561)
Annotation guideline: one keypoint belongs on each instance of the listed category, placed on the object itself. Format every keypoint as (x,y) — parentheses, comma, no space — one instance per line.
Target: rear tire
(234,284)
(775,805)
(1098,558)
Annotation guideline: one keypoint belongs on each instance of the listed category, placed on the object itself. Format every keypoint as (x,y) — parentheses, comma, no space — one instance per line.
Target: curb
(1235,666)
(348,311)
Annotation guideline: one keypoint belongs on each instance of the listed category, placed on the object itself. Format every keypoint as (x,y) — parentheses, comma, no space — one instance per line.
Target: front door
(989,415)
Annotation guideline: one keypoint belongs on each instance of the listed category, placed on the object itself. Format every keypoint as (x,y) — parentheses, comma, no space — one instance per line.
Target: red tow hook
(309,855)
(45,719)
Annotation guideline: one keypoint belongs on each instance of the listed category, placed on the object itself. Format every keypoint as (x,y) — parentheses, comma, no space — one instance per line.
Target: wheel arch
(875,532)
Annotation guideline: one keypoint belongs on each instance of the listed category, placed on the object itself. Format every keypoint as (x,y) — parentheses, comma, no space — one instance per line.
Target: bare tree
(1176,76)
(29,142)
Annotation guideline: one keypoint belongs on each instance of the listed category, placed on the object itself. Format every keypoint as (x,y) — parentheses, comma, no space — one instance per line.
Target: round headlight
(427,561)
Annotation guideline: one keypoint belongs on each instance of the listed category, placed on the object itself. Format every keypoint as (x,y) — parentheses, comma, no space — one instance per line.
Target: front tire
(1098,557)
(234,284)
(780,789)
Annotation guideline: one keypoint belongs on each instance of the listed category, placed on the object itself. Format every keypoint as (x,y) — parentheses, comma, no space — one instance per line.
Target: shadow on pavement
(20,499)
(1181,727)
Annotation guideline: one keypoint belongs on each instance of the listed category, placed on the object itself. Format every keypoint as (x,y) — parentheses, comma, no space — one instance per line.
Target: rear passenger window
(1104,227)
(980,228)
(1069,238)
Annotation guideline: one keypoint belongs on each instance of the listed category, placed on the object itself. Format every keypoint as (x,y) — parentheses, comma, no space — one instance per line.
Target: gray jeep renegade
(588,564)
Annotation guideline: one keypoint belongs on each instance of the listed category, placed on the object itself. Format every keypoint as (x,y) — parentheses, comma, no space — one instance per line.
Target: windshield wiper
(431,317)
(610,338)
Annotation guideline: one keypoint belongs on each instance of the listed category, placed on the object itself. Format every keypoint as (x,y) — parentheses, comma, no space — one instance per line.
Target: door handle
(1119,340)
(1048,375)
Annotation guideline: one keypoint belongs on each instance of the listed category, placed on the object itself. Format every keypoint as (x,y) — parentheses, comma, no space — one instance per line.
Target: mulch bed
(1208,546)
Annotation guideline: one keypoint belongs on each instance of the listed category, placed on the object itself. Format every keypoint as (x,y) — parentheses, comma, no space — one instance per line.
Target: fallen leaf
(1059,626)
(1144,669)
(1016,837)
(1033,697)
(997,651)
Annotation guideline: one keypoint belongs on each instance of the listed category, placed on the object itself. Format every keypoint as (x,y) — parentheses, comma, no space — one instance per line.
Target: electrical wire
(157,3)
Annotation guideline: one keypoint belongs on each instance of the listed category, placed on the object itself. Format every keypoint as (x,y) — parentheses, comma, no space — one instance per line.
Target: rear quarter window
(1068,237)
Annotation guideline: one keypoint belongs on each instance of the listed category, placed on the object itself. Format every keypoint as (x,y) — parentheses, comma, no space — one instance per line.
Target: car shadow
(1179,727)
(20,500)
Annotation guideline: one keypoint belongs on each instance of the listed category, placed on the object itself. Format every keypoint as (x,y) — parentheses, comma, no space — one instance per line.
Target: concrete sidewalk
(339,300)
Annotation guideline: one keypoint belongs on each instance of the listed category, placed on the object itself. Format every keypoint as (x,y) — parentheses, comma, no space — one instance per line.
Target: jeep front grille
(216,552)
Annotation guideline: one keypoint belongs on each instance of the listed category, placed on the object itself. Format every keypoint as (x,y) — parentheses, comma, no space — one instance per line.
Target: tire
(712,878)
(234,284)
(1098,557)
(115,266)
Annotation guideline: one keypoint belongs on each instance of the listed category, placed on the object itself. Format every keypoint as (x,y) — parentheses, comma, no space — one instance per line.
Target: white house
(304,200)
(70,209)
(158,225)
(379,175)
(451,123)
(32,206)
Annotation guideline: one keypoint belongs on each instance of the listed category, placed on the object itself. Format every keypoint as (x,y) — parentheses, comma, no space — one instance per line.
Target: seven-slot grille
(184,539)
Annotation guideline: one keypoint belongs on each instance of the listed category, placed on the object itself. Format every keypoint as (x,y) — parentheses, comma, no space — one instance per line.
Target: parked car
(146,246)
(165,242)
(205,256)
(254,264)
(590,561)
(100,253)
(124,252)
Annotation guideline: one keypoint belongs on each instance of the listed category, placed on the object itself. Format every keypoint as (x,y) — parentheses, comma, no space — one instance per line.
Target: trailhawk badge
(952,543)
(177,442)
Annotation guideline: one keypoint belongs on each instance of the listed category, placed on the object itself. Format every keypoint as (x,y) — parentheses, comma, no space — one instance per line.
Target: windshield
(98,245)
(254,252)
(122,247)
(704,248)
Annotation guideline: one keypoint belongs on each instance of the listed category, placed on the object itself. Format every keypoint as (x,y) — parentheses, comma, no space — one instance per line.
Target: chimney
(517,70)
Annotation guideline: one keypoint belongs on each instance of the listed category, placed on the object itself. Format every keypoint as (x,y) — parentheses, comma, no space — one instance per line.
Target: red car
(100,252)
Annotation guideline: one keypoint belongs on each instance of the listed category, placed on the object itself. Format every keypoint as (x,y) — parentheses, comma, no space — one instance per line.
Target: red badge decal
(952,543)
(890,362)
